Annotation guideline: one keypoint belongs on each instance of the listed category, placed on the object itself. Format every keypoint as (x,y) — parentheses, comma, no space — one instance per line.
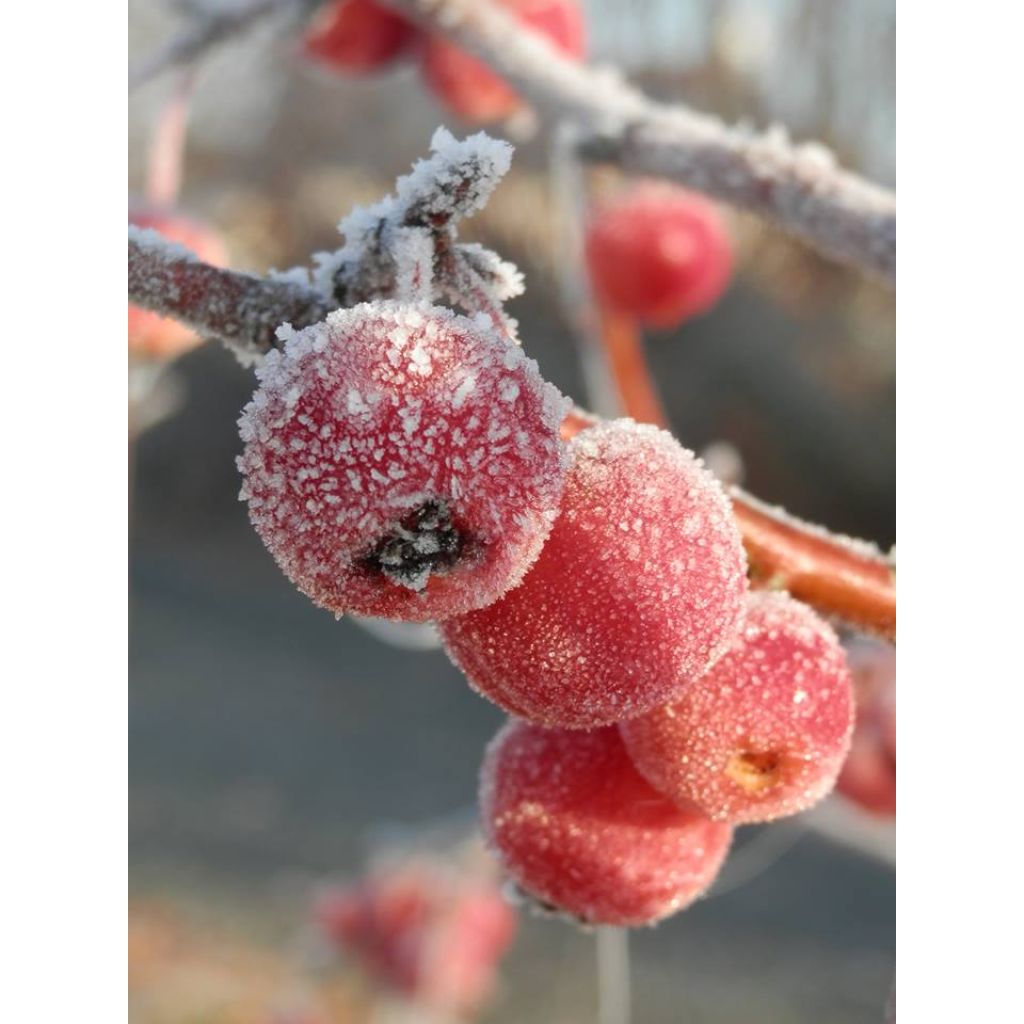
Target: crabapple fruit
(470,89)
(579,829)
(151,336)
(359,36)
(638,589)
(659,253)
(431,933)
(764,732)
(401,461)
(868,776)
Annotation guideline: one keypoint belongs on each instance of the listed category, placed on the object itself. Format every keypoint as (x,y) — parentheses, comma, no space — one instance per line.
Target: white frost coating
(459,177)
(504,279)
(856,546)
(151,237)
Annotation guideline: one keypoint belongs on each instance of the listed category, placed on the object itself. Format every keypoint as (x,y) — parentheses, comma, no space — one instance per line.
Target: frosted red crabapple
(659,253)
(638,589)
(763,734)
(470,89)
(360,36)
(401,461)
(151,336)
(580,830)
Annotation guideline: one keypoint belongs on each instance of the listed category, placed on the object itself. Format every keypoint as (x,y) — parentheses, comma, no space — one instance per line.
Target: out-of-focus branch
(241,310)
(798,187)
(211,25)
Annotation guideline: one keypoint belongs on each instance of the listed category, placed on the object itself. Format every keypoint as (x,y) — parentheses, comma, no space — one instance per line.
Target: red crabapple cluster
(407,461)
(358,37)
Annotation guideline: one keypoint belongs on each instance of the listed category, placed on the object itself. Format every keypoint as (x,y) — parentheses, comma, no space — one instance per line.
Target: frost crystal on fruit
(581,831)
(402,461)
(763,734)
(637,591)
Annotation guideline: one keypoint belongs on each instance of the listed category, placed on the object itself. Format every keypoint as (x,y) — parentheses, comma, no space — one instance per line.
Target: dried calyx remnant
(406,246)
(425,542)
(755,771)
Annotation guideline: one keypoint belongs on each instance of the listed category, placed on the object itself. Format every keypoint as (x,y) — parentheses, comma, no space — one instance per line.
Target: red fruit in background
(868,777)
(402,461)
(763,734)
(151,336)
(470,89)
(579,829)
(359,36)
(637,590)
(659,253)
(433,933)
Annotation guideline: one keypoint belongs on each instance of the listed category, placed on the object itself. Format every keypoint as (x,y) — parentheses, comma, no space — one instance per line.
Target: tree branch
(209,28)
(241,310)
(800,188)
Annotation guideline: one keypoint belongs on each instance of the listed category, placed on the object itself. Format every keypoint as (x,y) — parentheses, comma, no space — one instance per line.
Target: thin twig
(214,25)
(798,187)
(239,309)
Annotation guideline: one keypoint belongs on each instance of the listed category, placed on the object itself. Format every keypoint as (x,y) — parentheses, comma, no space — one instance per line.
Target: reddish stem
(848,579)
(623,346)
(167,147)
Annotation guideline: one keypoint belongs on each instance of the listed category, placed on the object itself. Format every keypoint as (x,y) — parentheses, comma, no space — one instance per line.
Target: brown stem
(240,309)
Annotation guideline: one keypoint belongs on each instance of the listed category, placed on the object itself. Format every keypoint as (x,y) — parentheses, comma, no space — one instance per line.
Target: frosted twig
(210,27)
(406,247)
(241,310)
(840,576)
(798,187)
